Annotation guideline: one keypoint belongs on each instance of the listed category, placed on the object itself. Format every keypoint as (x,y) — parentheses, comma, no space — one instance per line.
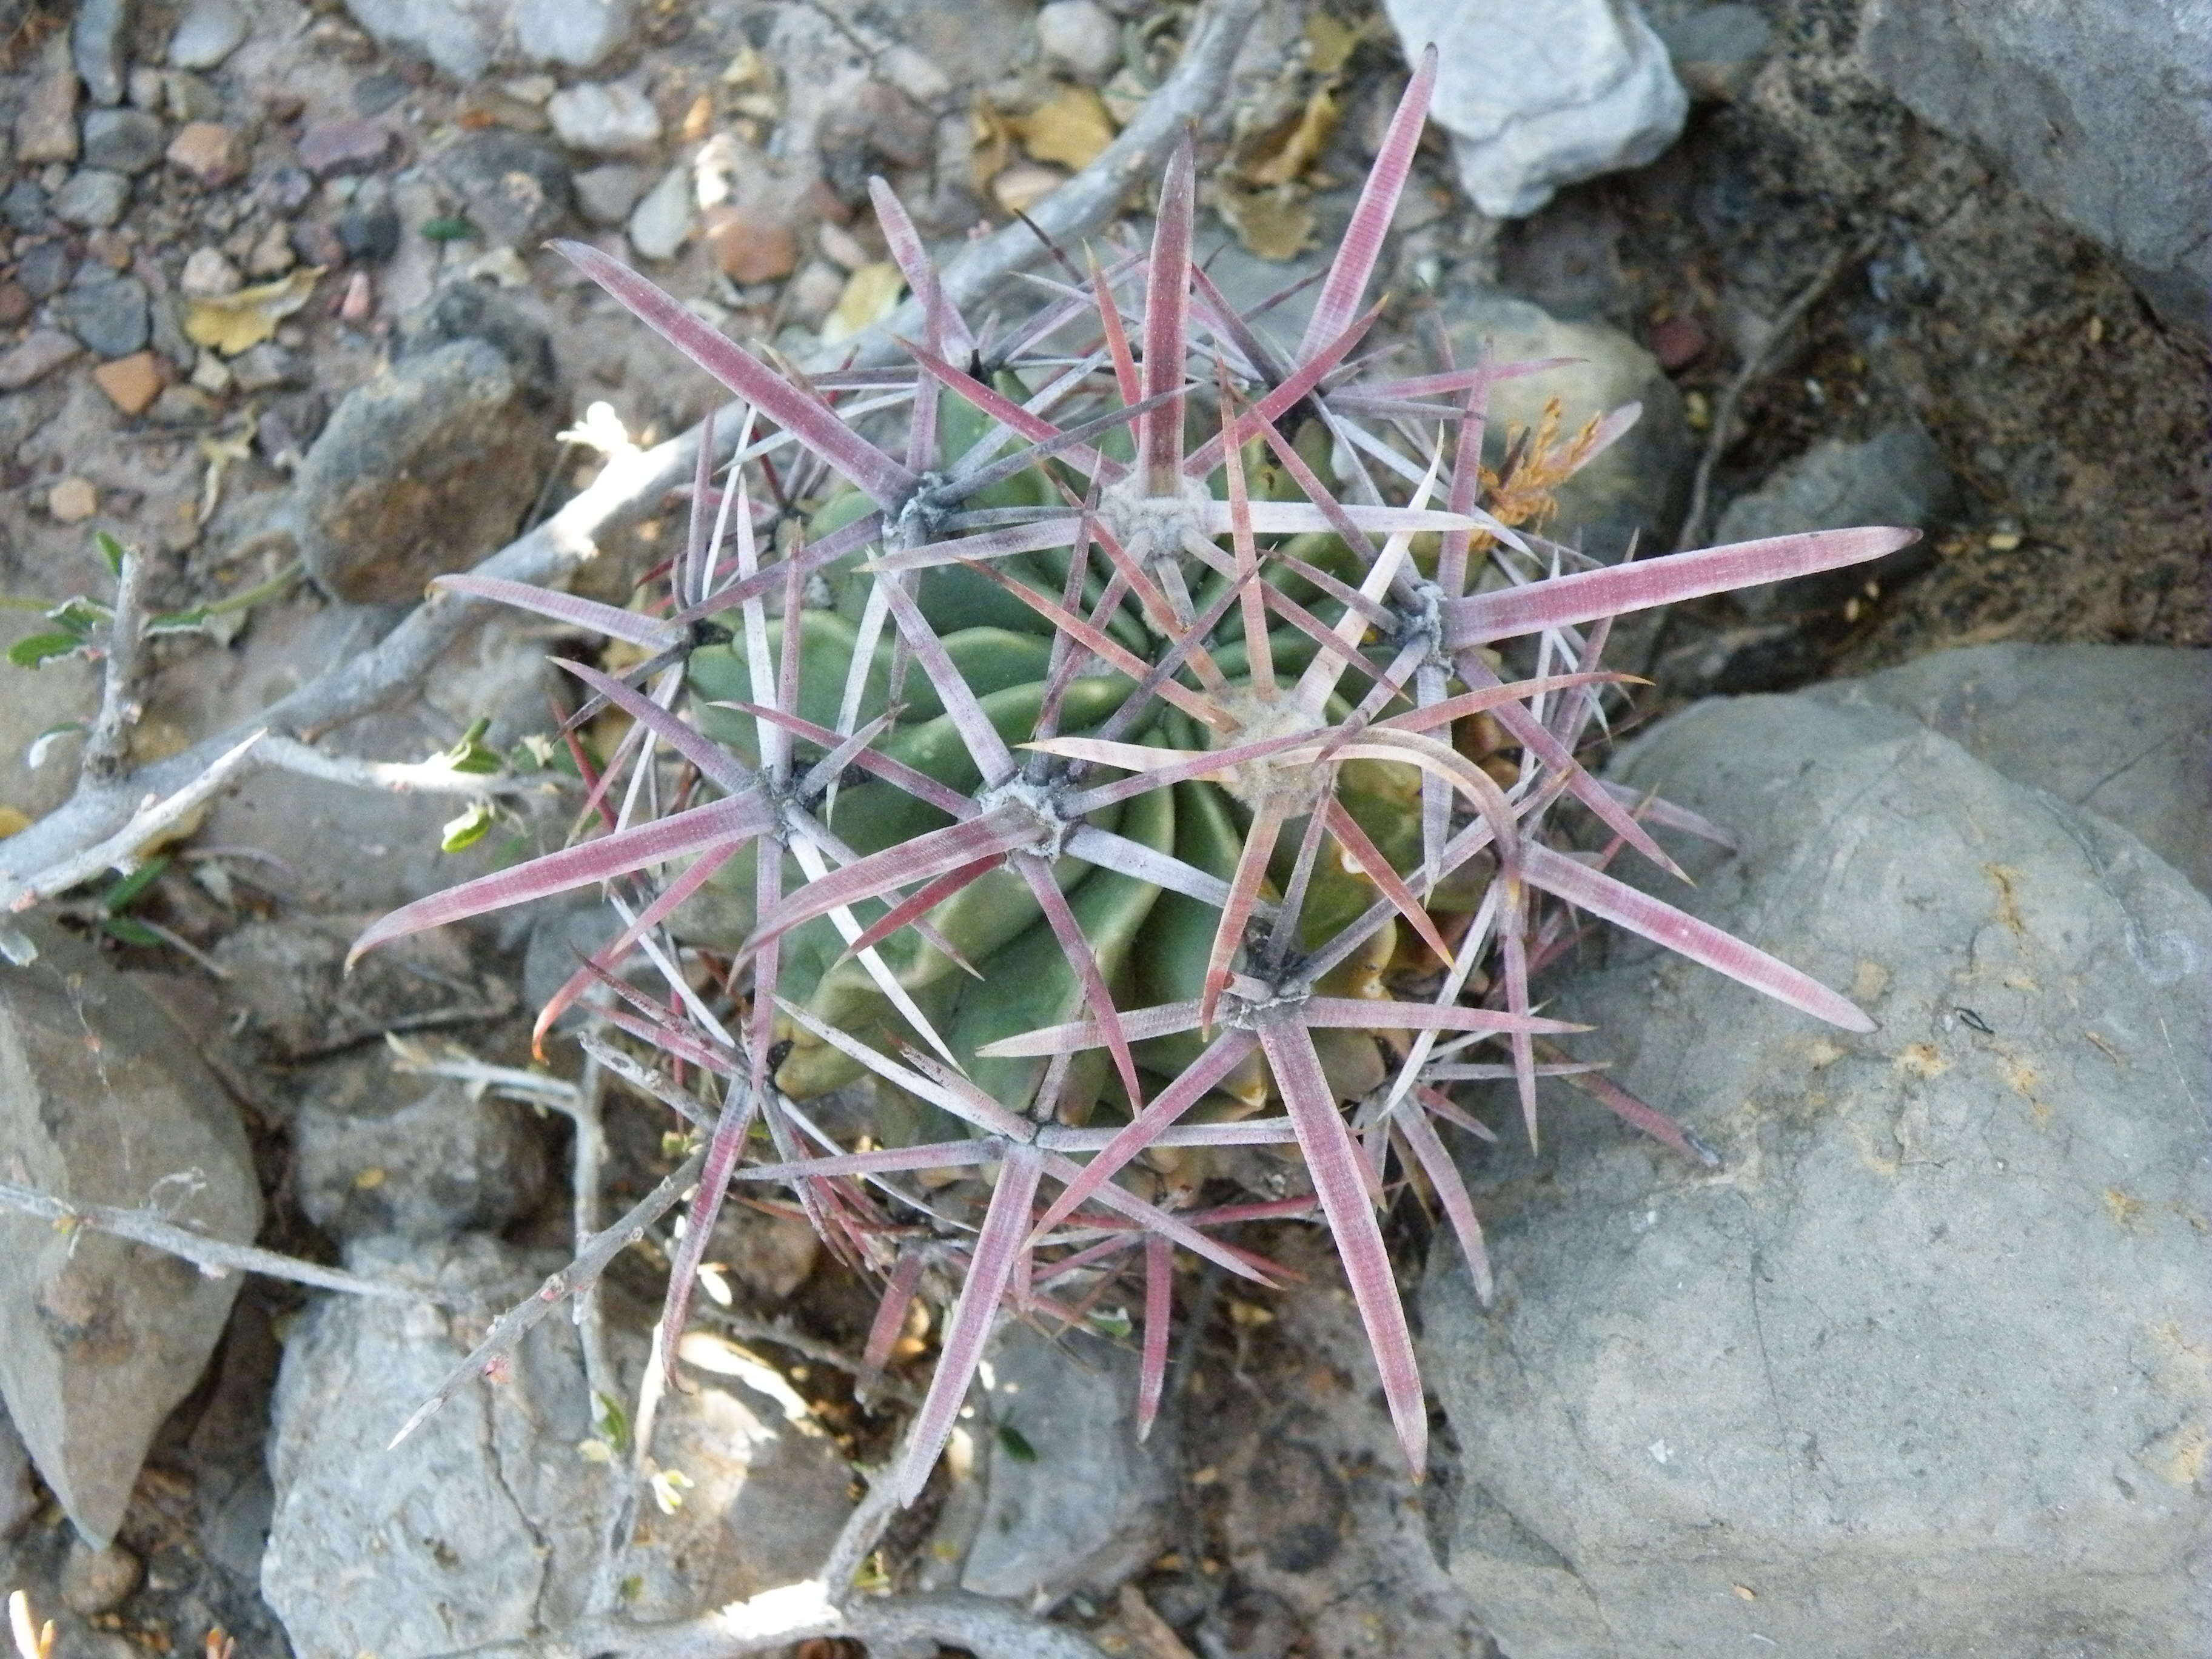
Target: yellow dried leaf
(11,821)
(871,294)
(1283,154)
(992,146)
(1275,224)
(1330,42)
(233,323)
(1070,128)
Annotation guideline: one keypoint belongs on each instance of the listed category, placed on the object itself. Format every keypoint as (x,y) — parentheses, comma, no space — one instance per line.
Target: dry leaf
(1070,128)
(871,294)
(1124,95)
(1275,224)
(233,323)
(1330,42)
(1284,153)
(1025,183)
(993,145)
(11,821)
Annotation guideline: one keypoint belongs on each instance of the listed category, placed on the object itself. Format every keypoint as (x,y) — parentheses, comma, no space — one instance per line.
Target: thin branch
(628,488)
(214,1257)
(781,1334)
(108,745)
(430,777)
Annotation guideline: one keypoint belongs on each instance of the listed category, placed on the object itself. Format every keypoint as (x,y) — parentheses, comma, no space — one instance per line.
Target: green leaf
(1114,1322)
(452,228)
(1015,1444)
(472,754)
(35,648)
(466,830)
(126,892)
(130,931)
(110,549)
(79,615)
(611,1421)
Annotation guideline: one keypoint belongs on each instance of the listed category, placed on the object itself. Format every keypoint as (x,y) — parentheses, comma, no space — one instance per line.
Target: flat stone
(132,383)
(512,187)
(485,1524)
(604,119)
(45,126)
(661,222)
(1980,1225)
(97,1580)
(1548,94)
(209,274)
(37,356)
(105,1336)
(750,247)
(96,46)
(92,198)
(332,149)
(106,312)
(2097,112)
(606,194)
(44,269)
(382,1153)
(1898,476)
(208,32)
(122,140)
(72,501)
(208,152)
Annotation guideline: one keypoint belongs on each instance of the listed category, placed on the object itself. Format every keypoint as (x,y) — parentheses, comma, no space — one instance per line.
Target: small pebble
(96,42)
(286,190)
(40,353)
(604,119)
(319,245)
(530,89)
(209,276)
(122,140)
(209,152)
(192,99)
(45,126)
(267,368)
(44,269)
(344,146)
(146,87)
(182,405)
(840,244)
(16,304)
(661,222)
(93,197)
(814,292)
(132,383)
(113,248)
(359,300)
(750,247)
(1081,37)
(24,207)
(72,501)
(1678,343)
(373,94)
(211,374)
(1025,183)
(272,254)
(106,312)
(606,194)
(208,32)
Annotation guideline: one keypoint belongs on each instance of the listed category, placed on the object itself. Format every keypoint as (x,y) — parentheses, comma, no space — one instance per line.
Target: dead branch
(108,745)
(213,1256)
(35,861)
(430,777)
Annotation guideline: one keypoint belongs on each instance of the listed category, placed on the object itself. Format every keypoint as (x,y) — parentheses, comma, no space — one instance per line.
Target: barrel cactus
(1119,743)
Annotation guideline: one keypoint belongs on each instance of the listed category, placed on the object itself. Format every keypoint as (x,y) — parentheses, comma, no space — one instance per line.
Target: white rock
(208,275)
(662,220)
(577,32)
(208,32)
(1545,94)
(1079,35)
(604,119)
(465,38)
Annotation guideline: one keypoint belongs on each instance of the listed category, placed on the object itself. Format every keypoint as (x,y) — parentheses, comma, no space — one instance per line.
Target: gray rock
(38,355)
(604,119)
(45,125)
(1640,483)
(24,208)
(106,312)
(18,1502)
(96,46)
(1087,1506)
(122,140)
(1943,1304)
(208,32)
(2097,111)
(484,1525)
(369,226)
(190,98)
(104,1101)
(605,195)
(289,978)
(2124,731)
(269,367)
(1716,49)
(1544,95)
(44,269)
(93,199)
(97,1580)
(380,1153)
(1898,476)
(466,38)
(419,472)
(1081,36)
(662,222)
(514,188)
(478,311)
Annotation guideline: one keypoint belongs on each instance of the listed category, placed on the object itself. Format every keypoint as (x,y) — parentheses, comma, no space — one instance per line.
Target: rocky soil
(274,309)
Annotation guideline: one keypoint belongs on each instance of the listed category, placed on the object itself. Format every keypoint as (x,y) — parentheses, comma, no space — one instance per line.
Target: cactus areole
(1153,762)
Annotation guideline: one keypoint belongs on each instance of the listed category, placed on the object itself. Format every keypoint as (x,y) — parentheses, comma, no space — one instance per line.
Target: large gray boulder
(103,1101)
(2098,111)
(1922,1368)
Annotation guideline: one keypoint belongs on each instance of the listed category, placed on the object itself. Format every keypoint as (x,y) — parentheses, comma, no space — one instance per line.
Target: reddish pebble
(1677,342)
(329,147)
(359,300)
(16,304)
(132,383)
(209,152)
(750,247)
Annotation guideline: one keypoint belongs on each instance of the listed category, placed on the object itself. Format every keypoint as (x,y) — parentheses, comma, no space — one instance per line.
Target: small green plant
(1120,769)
